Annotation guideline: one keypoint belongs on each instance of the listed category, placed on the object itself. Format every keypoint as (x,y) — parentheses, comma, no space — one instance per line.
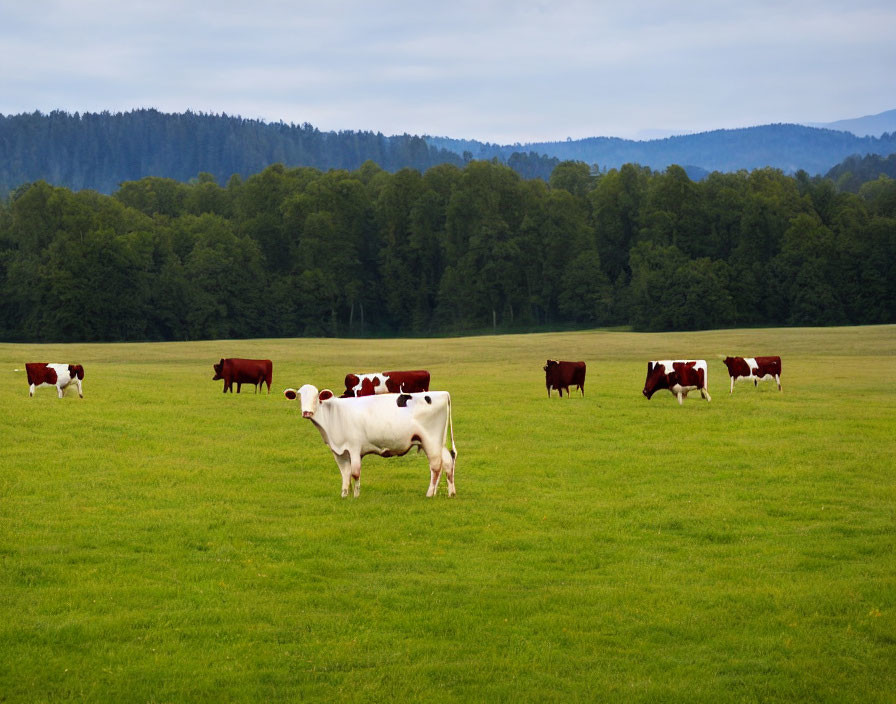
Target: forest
(449,250)
(99,151)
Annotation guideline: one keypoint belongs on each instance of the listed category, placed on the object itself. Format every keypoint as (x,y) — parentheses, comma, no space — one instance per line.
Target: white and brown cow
(388,425)
(755,368)
(678,376)
(59,375)
(386,383)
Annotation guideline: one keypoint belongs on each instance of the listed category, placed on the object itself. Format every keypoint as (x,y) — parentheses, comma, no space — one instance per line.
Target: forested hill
(99,151)
(790,148)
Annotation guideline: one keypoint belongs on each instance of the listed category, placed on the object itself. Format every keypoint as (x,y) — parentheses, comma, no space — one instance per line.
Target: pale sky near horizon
(500,71)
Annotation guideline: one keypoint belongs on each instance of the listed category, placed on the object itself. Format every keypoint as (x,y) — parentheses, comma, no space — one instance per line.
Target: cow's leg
(681,396)
(31,390)
(778,381)
(239,386)
(731,391)
(78,384)
(448,462)
(356,475)
(435,471)
(345,469)
(60,390)
(704,392)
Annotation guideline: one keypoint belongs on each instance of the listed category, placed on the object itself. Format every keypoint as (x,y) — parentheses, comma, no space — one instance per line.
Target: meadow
(163,542)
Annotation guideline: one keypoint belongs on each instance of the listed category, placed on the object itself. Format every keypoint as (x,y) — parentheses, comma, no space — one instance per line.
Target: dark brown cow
(679,376)
(59,375)
(234,370)
(386,383)
(755,368)
(562,375)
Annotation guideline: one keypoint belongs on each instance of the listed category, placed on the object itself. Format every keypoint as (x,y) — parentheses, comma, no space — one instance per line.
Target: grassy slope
(163,542)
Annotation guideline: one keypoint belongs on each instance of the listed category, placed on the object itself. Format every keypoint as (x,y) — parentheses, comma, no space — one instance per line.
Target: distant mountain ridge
(100,151)
(784,146)
(867,126)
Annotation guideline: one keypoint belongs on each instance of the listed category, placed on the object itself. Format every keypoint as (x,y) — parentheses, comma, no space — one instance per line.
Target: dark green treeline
(300,252)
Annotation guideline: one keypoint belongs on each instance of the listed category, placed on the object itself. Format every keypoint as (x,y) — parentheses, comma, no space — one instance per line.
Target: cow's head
(309,397)
(76,370)
(351,383)
(656,379)
(219,370)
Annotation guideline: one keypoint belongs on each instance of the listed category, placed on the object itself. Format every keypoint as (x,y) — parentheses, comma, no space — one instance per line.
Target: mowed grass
(163,542)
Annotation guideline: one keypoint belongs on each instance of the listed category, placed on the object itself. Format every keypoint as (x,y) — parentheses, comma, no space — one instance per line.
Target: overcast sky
(504,71)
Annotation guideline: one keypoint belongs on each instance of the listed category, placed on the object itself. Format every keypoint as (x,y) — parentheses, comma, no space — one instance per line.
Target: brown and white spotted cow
(755,368)
(386,383)
(678,376)
(59,375)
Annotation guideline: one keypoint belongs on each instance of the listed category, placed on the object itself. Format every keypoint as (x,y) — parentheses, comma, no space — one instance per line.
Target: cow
(388,425)
(386,383)
(562,375)
(679,376)
(244,371)
(59,375)
(755,368)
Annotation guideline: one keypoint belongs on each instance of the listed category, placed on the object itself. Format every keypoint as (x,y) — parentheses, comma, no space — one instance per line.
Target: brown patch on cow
(402,400)
(39,373)
(76,371)
(737,366)
(768,365)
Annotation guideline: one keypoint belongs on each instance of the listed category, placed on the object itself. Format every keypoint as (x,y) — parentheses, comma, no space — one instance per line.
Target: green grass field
(162,542)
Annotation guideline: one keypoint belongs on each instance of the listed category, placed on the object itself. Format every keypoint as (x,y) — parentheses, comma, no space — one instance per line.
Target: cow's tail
(451,428)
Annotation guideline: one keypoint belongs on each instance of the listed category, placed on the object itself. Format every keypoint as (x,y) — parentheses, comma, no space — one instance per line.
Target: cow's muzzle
(307,414)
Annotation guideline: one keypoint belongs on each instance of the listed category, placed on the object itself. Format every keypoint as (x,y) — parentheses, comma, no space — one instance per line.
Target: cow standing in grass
(386,383)
(59,375)
(755,368)
(234,370)
(679,376)
(561,375)
(388,425)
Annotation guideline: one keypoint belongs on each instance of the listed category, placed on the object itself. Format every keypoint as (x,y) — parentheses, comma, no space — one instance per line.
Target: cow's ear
(325,394)
(290,394)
